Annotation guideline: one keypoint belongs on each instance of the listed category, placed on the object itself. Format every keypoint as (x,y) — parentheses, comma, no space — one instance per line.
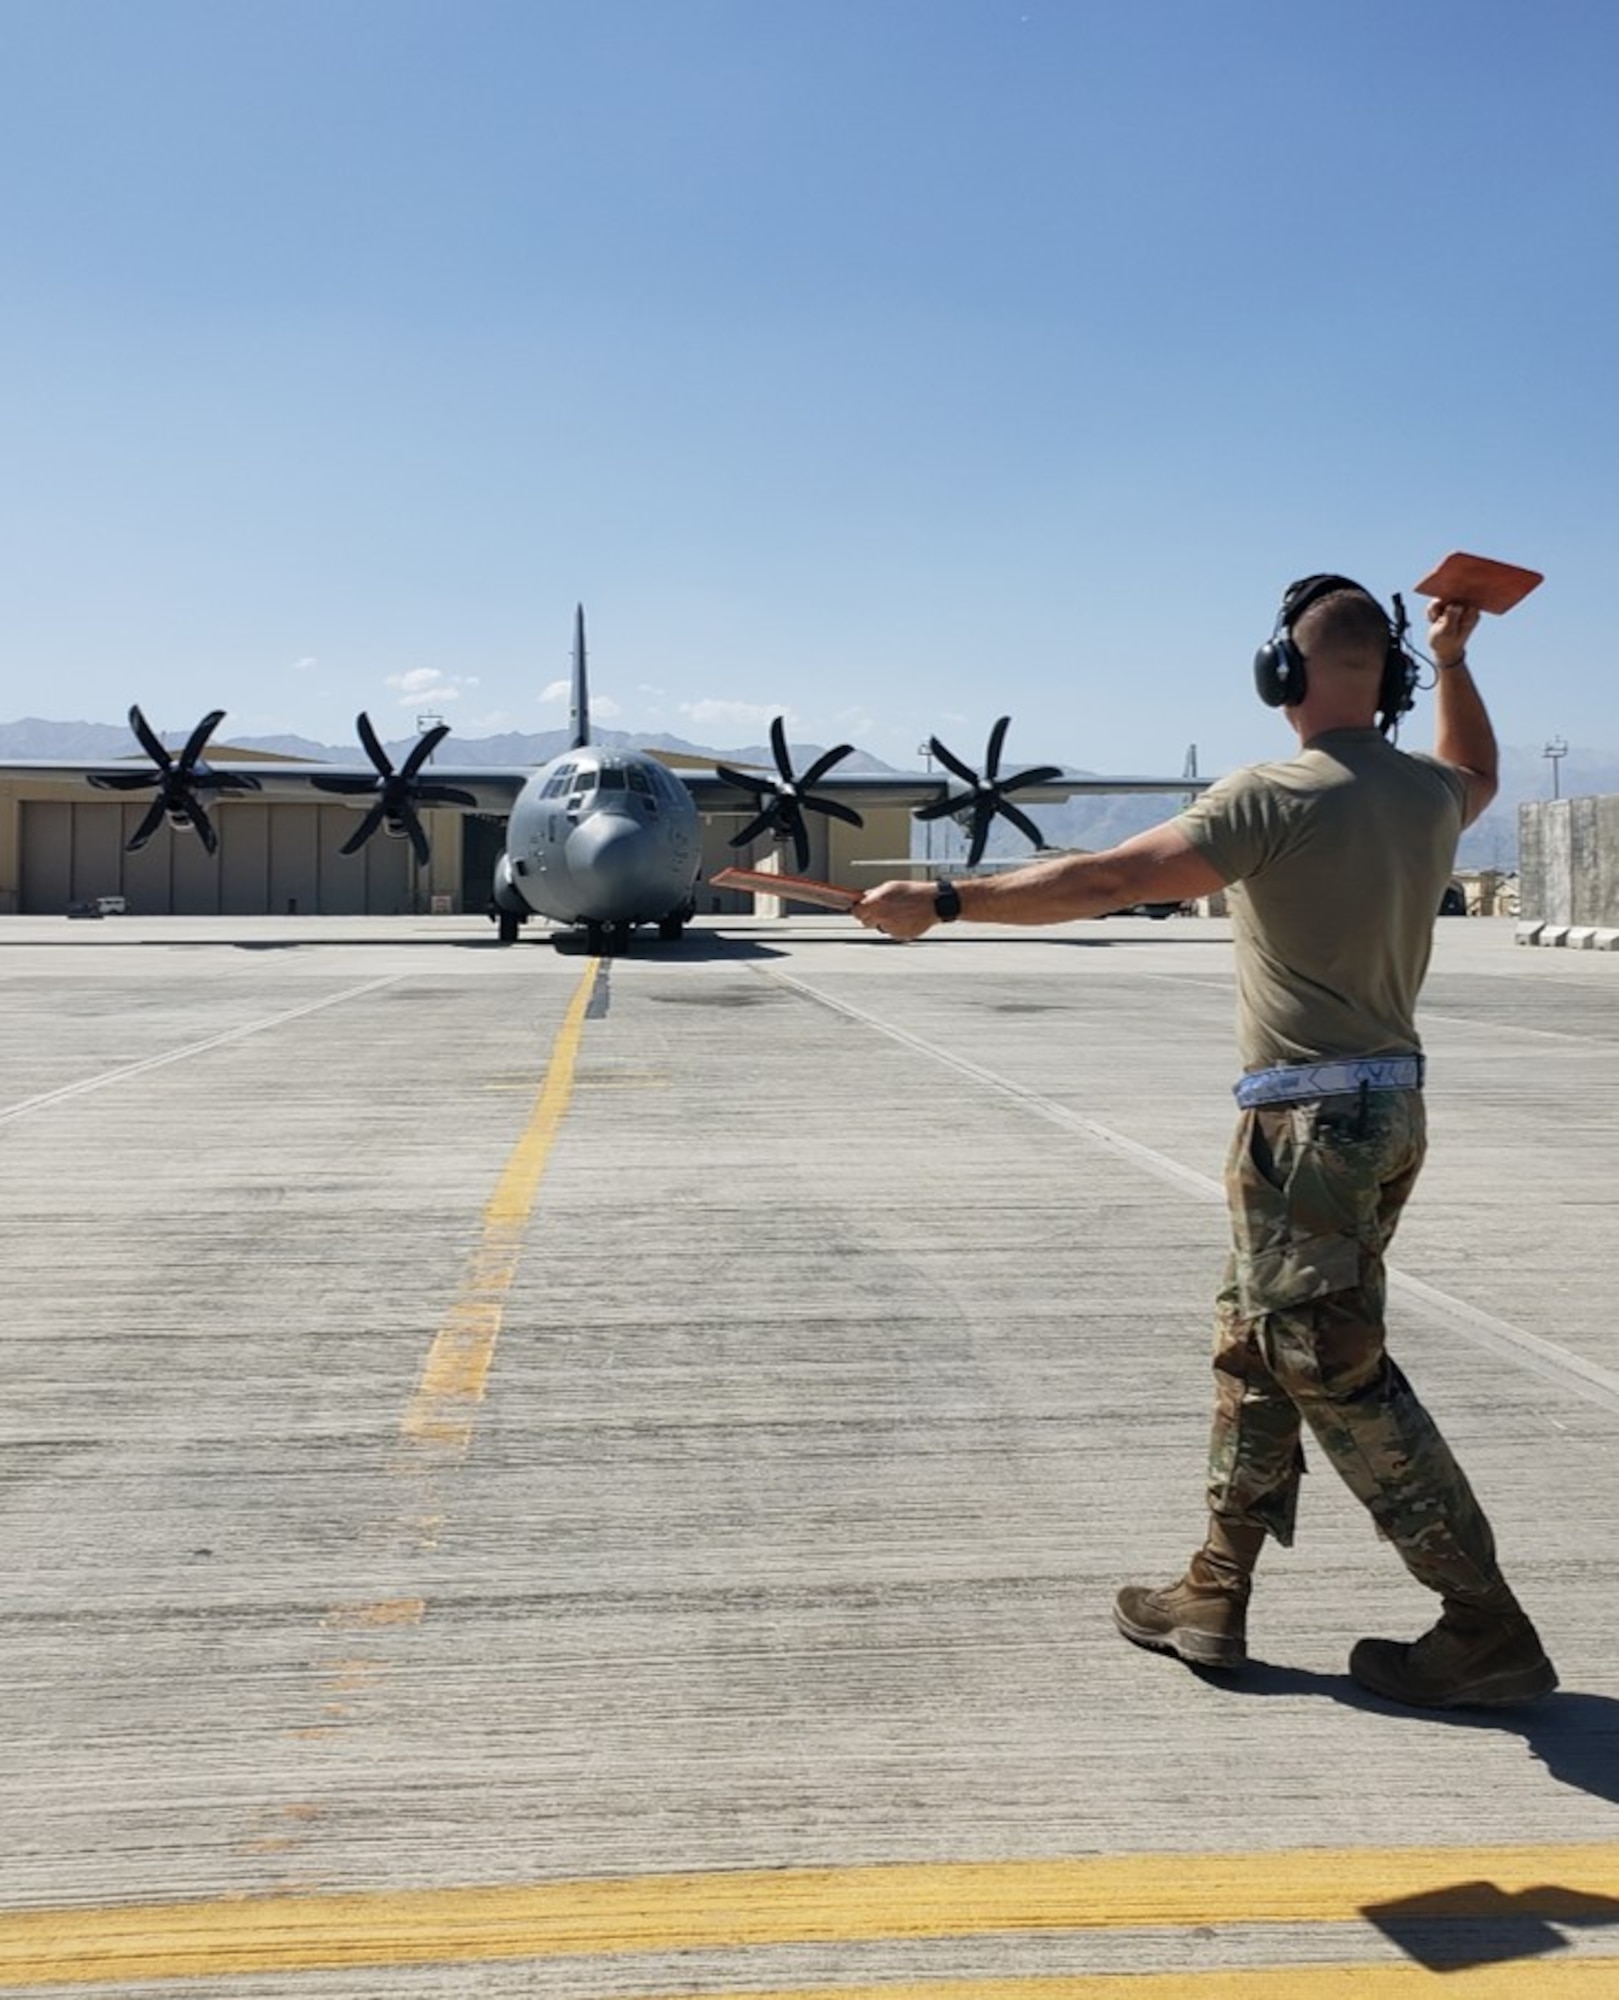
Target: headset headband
(1298,597)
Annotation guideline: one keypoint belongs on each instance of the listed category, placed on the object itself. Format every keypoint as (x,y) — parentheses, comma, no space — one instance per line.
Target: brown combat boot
(1472,1658)
(1203,1619)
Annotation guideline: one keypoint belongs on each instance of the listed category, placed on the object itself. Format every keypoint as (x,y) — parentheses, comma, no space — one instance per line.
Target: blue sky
(896,363)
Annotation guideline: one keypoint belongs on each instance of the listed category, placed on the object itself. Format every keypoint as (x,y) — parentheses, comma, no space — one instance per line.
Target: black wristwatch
(946,901)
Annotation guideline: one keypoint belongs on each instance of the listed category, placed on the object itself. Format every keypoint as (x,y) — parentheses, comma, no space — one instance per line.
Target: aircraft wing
(714,793)
(955,791)
(488,789)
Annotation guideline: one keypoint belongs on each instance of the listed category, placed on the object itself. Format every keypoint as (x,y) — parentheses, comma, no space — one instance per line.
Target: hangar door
(272,861)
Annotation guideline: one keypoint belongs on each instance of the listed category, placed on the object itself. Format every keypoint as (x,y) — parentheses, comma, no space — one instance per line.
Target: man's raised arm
(1463,735)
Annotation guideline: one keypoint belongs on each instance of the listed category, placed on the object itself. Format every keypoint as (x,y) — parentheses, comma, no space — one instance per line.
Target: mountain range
(1093,821)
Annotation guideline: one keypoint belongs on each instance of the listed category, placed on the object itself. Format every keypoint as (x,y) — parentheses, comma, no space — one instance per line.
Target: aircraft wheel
(669,928)
(508,924)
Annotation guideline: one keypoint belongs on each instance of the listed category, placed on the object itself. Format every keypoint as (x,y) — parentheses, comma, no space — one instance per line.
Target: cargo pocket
(1295,1213)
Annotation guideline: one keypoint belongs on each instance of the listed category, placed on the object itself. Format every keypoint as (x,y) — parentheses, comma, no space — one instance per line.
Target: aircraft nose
(609,852)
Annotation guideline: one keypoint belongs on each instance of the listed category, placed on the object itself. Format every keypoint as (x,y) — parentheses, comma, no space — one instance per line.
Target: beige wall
(1568,861)
(58,847)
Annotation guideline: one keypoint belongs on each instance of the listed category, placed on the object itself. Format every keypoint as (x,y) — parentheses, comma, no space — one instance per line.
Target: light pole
(423,724)
(1556,750)
(925,752)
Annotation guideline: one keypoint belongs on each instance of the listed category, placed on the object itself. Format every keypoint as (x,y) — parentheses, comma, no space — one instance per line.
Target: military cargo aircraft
(598,840)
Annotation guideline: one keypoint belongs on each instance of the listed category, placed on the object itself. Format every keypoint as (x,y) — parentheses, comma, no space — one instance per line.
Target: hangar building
(62,844)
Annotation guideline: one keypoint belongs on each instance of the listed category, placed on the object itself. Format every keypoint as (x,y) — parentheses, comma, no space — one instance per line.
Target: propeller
(398,793)
(180,781)
(782,805)
(990,794)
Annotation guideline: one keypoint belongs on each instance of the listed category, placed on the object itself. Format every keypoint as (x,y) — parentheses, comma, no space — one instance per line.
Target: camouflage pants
(1315,1191)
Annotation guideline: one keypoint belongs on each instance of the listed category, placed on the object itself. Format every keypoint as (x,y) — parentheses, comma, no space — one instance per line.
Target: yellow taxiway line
(455,1374)
(741,1909)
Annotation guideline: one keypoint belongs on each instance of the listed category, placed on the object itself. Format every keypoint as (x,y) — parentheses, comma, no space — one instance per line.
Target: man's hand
(902,909)
(1450,626)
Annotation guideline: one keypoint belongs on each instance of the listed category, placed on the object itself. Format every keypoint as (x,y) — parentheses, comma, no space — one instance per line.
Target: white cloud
(711,714)
(602,706)
(428,684)
(305,665)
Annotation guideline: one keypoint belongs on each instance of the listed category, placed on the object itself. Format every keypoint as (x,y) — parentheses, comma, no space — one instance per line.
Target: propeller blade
(952,762)
(745,782)
(199,819)
(823,764)
(983,819)
(836,809)
(349,787)
(363,832)
(939,808)
(1021,820)
(422,749)
(199,736)
(781,806)
(148,739)
(444,795)
(123,781)
(417,835)
(148,826)
(990,794)
(766,821)
(1036,775)
(373,746)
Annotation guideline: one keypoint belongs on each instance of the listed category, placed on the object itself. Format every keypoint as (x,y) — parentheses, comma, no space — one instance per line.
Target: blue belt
(1291,1083)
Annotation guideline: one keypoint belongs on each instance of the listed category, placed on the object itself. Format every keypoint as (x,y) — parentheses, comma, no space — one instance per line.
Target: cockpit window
(639,782)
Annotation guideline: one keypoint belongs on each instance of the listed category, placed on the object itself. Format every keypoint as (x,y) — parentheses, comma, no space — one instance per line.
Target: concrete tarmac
(529,1475)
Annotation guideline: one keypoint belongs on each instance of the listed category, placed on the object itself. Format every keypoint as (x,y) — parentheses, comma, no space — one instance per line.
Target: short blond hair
(1347,627)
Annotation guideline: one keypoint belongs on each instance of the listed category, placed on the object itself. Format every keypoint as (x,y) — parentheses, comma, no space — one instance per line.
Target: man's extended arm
(1159,866)
(1463,735)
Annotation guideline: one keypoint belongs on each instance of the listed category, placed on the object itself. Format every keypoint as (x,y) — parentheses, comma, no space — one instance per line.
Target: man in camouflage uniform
(1336,859)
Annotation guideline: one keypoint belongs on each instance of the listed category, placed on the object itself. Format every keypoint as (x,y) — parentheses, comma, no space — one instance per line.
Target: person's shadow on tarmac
(1576,1736)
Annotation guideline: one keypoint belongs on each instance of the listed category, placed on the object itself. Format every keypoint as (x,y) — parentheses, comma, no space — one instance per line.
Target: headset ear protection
(1279,666)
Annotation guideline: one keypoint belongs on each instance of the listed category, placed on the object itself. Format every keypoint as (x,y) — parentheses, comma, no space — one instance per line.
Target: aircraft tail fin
(579,708)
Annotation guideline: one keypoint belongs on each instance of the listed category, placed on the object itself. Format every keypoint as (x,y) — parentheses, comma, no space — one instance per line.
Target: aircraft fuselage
(601,836)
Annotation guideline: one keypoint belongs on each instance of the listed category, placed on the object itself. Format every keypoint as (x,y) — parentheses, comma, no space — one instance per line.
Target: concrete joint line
(68,1090)
(1529,1350)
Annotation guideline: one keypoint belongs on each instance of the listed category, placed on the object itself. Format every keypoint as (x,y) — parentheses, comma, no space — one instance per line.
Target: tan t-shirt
(1337,861)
